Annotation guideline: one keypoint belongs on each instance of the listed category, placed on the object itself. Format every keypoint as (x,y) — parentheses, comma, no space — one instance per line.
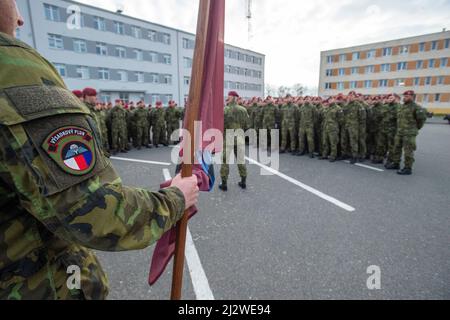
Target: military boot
(243,183)
(353,161)
(392,166)
(311,155)
(405,172)
(301,154)
(223,186)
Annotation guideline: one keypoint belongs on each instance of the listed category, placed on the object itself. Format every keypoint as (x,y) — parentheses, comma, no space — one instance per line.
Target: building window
(105,97)
(371,54)
(417,82)
(154,78)
(355,56)
(166,38)
(327,86)
(51,12)
(136,32)
(55,41)
(387,52)
(119,27)
(440,80)
(61,68)
(329,59)
(139,55)
(342,72)
(425,98)
(329,73)
(447,44)
(404,49)
(123,76)
(370,69)
(428,81)
(401,66)
(431,63)
(383,83)
(188,43)
(399,82)
(422,47)
(152,35)
(437,97)
(99,24)
(80,46)
(444,62)
(140,76)
(340,86)
(167,59)
(167,79)
(82,72)
(121,52)
(103,74)
(355,70)
(101,49)
(341,57)
(434,45)
(187,81)
(385,67)
(353,84)
(419,64)
(187,62)
(153,56)
(368,84)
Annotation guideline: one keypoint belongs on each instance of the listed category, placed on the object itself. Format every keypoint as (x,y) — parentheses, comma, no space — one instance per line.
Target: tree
(298,89)
(270,90)
(283,91)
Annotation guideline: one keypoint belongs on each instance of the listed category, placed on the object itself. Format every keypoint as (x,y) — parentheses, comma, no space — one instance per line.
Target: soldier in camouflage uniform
(258,119)
(235,118)
(173,120)
(374,126)
(159,125)
(410,119)
(362,127)
(318,126)
(117,118)
(306,128)
(289,114)
(270,111)
(332,120)
(351,128)
(61,196)
(387,131)
(140,120)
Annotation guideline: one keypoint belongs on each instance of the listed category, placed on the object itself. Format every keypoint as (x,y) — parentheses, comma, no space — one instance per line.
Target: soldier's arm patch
(73,149)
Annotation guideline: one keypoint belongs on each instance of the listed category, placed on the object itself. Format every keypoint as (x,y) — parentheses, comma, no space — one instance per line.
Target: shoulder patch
(73,149)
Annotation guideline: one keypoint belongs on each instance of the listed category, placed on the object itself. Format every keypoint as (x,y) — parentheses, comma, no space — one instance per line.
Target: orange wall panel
(409,82)
(441,44)
(445,97)
(390,83)
(347,71)
(334,85)
(395,51)
(447,80)
(379,52)
(348,57)
(411,65)
(414,48)
(346,85)
(427,46)
(363,55)
(377,68)
(393,67)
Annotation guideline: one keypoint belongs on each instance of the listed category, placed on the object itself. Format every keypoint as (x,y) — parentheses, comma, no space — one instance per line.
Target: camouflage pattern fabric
(332,120)
(306,128)
(289,116)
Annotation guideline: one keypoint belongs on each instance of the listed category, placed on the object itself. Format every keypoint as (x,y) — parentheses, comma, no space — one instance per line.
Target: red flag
(210,115)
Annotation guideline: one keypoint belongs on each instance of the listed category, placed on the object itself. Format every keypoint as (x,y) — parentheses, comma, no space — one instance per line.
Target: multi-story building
(419,63)
(125,57)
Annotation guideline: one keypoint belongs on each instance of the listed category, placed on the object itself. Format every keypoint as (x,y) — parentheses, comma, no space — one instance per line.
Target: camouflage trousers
(239,155)
(362,141)
(159,135)
(371,142)
(407,143)
(141,136)
(171,127)
(330,143)
(350,141)
(385,146)
(119,137)
(288,133)
(306,135)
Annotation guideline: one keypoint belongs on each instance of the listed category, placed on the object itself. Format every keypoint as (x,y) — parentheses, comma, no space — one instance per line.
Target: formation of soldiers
(123,125)
(355,127)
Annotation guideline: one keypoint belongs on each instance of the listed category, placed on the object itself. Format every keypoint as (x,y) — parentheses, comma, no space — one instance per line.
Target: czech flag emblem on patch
(72,148)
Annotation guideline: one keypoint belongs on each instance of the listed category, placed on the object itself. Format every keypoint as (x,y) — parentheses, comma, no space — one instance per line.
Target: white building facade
(124,57)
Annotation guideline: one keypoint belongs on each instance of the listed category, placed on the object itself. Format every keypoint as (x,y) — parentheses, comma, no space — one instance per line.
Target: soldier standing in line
(410,119)
(78,94)
(269,121)
(362,127)
(333,115)
(118,119)
(387,131)
(159,125)
(172,120)
(61,198)
(351,128)
(306,128)
(375,120)
(235,117)
(140,120)
(289,114)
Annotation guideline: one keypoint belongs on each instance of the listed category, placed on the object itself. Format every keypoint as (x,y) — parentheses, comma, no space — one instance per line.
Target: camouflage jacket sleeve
(96,212)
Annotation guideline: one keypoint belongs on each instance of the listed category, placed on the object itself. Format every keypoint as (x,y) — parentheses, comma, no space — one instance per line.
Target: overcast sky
(291,33)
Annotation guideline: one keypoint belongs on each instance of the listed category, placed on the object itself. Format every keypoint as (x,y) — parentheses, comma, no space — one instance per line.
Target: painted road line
(141,161)
(365,166)
(199,280)
(316,192)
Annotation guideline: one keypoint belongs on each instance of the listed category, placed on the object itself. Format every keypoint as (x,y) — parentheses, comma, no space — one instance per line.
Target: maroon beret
(91,92)
(78,93)
(409,93)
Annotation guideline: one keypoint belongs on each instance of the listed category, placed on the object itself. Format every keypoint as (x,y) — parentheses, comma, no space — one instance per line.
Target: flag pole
(192,115)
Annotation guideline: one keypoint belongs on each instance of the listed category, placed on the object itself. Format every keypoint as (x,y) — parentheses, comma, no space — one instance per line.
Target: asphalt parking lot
(289,236)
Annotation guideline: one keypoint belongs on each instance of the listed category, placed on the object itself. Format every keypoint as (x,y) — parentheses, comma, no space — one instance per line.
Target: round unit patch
(73,149)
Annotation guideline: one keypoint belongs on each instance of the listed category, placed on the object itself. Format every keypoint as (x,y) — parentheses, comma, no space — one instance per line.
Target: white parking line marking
(141,161)
(305,187)
(198,277)
(366,166)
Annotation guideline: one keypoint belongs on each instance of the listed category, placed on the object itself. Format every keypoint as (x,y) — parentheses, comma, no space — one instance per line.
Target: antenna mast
(248,15)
